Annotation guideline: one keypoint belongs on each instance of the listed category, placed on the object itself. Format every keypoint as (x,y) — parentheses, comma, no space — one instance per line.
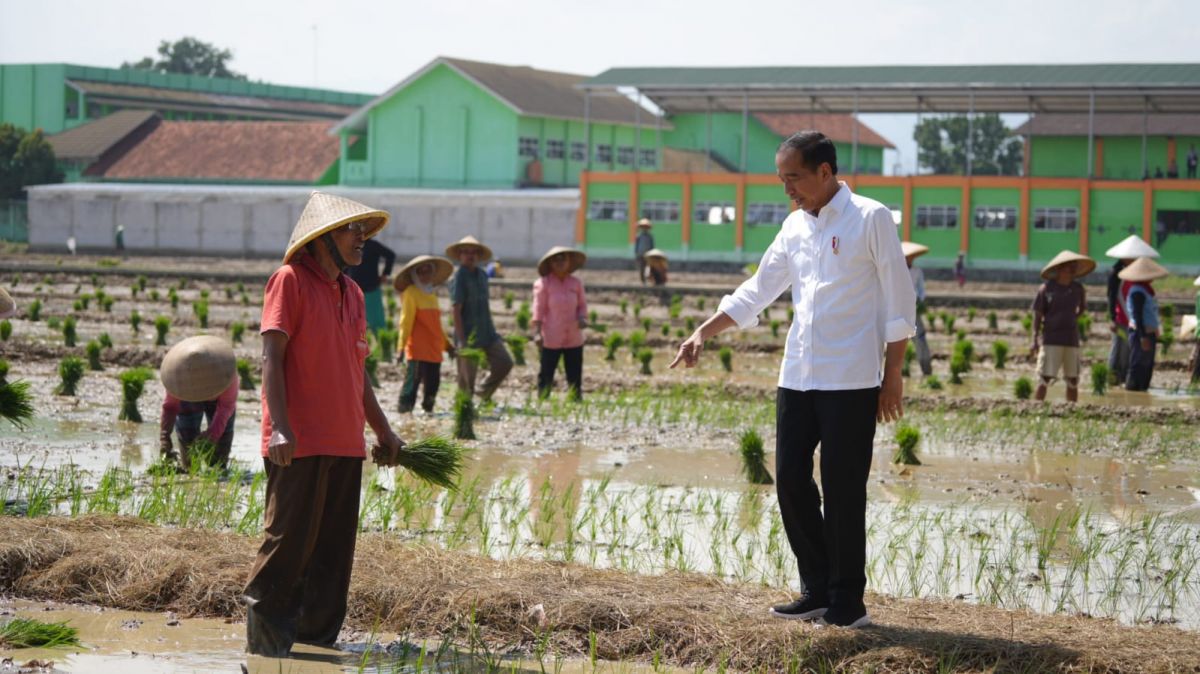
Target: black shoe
(840,616)
(807,607)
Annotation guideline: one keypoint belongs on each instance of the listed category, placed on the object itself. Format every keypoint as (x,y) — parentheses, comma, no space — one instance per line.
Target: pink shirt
(226,406)
(559,305)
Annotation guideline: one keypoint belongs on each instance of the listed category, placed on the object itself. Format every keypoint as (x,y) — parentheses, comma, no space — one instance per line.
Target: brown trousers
(500,363)
(298,587)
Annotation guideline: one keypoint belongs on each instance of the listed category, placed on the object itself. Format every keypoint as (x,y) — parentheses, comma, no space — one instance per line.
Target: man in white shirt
(854,312)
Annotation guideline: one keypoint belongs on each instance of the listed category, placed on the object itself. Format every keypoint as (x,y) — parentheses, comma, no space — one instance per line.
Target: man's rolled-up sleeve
(774,275)
(899,303)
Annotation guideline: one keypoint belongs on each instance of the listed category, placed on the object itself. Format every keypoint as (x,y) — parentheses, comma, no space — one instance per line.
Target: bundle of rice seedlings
(676,307)
(700,303)
(754,465)
(933,383)
(726,356)
(1027,323)
(26,633)
(907,438)
(958,366)
(993,321)
(106,303)
(200,308)
(508,300)
(16,402)
(523,316)
(1084,322)
(910,354)
(93,356)
(637,339)
(162,325)
(199,456)
(477,356)
(646,324)
(1023,388)
(236,330)
(68,331)
(516,344)
(1099,378)
(690,324)
(611,344)
(3,370)
(173,297)
(593,317)
(371,365)
(464,416)
(133,382)
(1000,353)
(437,460)
(665,329)
(245,375)
(624,305)
(104,340)
(5,330)
(775,323)
(948,322)
(645,356)
(141,282)
(70,370)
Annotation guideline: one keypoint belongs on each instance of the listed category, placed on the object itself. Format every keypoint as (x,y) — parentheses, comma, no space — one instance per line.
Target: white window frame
(661,210)
(1056,219)
(528,146)
(995,218)
(937,216)
(766,213)
(616,209)
(555,149)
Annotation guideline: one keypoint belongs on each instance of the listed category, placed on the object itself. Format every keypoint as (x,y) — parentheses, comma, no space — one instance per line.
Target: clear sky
(364,46)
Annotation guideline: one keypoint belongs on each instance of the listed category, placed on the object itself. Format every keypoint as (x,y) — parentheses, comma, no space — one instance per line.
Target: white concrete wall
(257,221)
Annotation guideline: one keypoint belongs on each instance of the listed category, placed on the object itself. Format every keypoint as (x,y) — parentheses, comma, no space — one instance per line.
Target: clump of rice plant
(204,295)
(68,331)
(141,282)
(1000,353)
(106,303)
(690,324)
(725,354)
(700,304)
(665,329)
(775,323)
(611,344)
(5,330)
(754,465)
(933,383)
(245,375)
(1167,338)
(104,340)
(637,339)
(464,416)
(646,324)
(80,305)
(993,321)
(70,371)
(387,343)
(16,402)
(593,317)
(637,310)
(246,303)
(644,356)
(200,455)
(236,330)
(477,356)
(676,307)
(371,365)
(907,438)
(133,383)
(967,348)
(1027,323)
(680,333)
(3,370)
(1084,322)
(54,323)
(624,306)
(766,313)
(910,354)
(437,460)
(508,299)
(971,314)
(516,344)
(228,292)
(791,315)
(34,312)
(960,334)
(93,356)
(26,633)
(958,366)
(948,323)
(1023,388)
(154,294)
(200,308)
(162,325)
(173,298)
(1099,378)
(523,316)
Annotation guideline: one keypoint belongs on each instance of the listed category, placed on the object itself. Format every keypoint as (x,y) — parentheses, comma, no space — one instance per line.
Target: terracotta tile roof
(88,142)
(837,127)
(235,151)
(1111,125)
(133,95)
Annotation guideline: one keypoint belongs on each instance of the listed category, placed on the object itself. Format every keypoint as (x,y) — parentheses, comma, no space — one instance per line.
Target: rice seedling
(200,309)
(106,303)
(593,317)
(70,371)
(623,305)
(646,324)
(104,340)
(644,356)
(68,331)
(93,356)
(246,302)
(154,296)
(173,298)
(162,325)
(971,314)
(665,329)
(523,316)
(1167,338)
(637,339)
(464,416)
(133,383)
(1099,378)
(948,323)
(199,456)
(476,356)
(96,281)
(16,402)
(236,330)
(1023,388)
(3,370)
(387,343)
(246,375)
(725,354)
(140,284)
(907,437)
(676,307)
(80,304)
(204,295)
(1000,353)
(516,344)
(34,312)
(775,323)
(5,330)
(967,348)
(26,633)
(993,321)
(754,466)
(228,292)
(1027,323)
(958,366)
(1084,323)
(637,311)
(437,460)
(910,354)
(933,383)
(54,323)
(611,344)
(371,367)
(508,300)
(679,333)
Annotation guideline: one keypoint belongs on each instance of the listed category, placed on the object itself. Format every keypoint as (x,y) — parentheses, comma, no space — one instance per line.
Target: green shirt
(469,287)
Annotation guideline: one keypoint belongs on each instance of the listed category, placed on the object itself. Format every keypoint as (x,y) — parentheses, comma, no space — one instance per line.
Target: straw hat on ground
(442,269)
(913,249)
(8,307)
(1143,269)
(325,213)
(1131,247)
(577,259)
(198,368)
(656,258)
(645,223)
(1085,265)
(485,253)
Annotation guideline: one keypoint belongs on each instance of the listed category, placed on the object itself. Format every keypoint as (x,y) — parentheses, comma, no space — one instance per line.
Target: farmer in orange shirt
(421,334)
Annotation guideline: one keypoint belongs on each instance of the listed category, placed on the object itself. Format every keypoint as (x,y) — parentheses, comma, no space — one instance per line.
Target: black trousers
(572,361)
(830,544)
(419,372)
(1141,363)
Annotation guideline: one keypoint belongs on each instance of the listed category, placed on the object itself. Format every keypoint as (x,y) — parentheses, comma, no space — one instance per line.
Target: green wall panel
(994,244)
(758,237)
(1115,214)
(1123,156)
(1177,248)
(714,238)
(1059,157)
(943,243)
(607,235)
(1044,245)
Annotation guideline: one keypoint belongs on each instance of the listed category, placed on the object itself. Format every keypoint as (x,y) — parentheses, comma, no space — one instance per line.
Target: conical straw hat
(452,250)
(8,307)
(1187,327)
(442,269)
(1143,269)
(655,256)
(1087,266)
(198,368)
(913,249)
(1131,247)
(645,222)
(577,259)
(326,212)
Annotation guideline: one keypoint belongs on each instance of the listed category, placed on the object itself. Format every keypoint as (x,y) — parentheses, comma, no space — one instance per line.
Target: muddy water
(156,643)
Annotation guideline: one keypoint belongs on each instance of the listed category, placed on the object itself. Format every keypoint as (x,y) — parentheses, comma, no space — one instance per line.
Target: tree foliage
(26,158)
(942,146)
(188,56)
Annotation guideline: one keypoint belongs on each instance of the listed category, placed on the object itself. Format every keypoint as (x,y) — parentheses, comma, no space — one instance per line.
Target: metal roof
(1117,87)
(1111,125)
(154,98)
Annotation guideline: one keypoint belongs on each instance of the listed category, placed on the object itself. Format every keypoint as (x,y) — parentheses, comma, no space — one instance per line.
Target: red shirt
(326,325)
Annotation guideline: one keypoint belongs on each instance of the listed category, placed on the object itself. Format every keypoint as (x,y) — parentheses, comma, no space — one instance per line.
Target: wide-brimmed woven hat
(326,212)
(1187,326)
(1086,264)
(1131,247)
(578,257)
(485,253)
(198,368)
(645,222)
(8,307)
(656,257)
(913,249)
(1143,269)
(442,269)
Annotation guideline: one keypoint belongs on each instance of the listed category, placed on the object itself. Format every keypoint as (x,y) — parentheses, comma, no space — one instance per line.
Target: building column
(581,212)
(685,213)
(854,138)
(907,210)
(745,131)
(739,236)
(708,139)
(1171,155)
(1099,168)
(1091,132)
(635,209)
(1145,128)
(970,132)
(1023,222)
(1085,215)
(965,219)
(1148,212)
(637,134)
(587,130)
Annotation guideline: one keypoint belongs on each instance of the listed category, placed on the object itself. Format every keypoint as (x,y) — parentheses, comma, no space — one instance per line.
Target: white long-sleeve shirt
(851,293)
